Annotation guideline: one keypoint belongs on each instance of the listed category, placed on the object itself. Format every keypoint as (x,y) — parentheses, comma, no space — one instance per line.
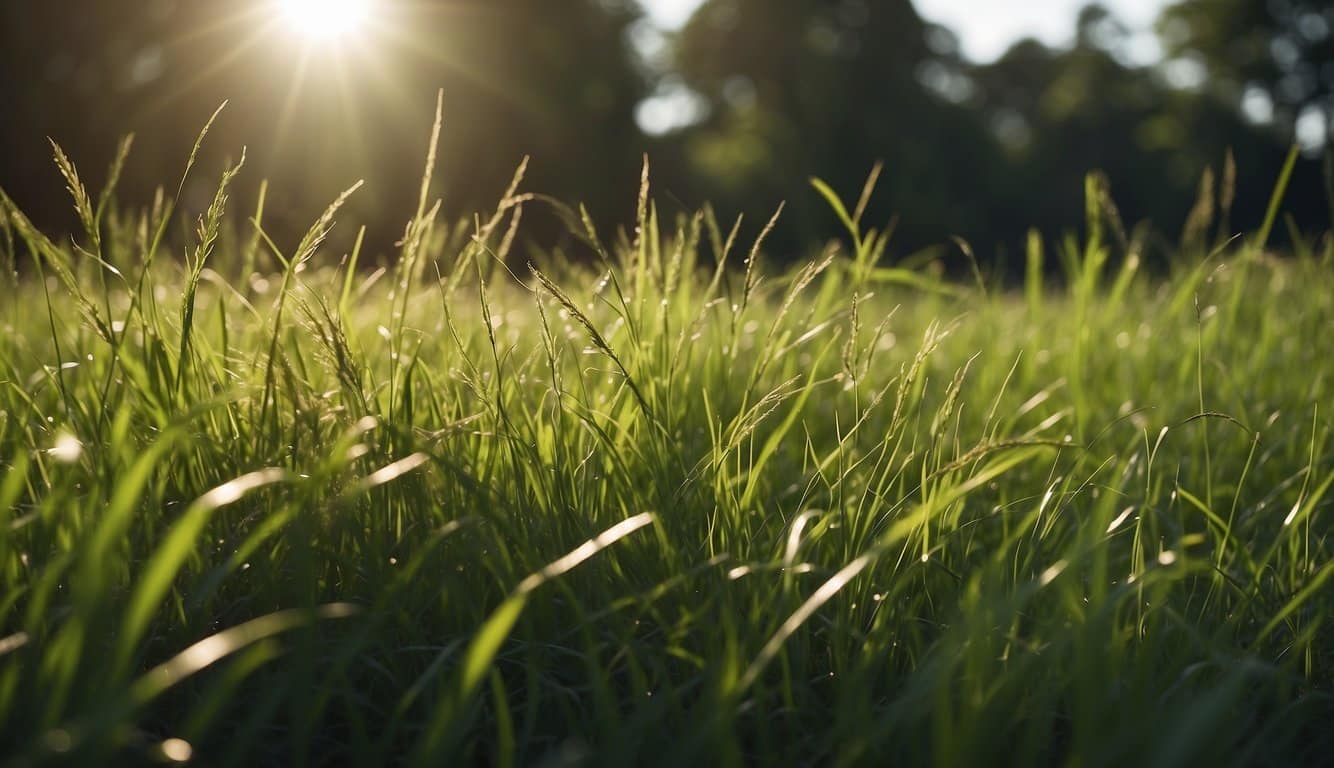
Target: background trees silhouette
(788,88)
(1279,51)
(1060,114)
(809,88)
(557,81)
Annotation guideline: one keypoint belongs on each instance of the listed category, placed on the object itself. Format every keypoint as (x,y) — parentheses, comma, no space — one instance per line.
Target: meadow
(655,501)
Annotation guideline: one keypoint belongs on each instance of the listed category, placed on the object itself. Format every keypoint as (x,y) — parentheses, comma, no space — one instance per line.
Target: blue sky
(987,27)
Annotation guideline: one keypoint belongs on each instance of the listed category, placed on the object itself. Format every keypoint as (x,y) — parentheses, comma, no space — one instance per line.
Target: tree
(826,88)
(557,81)
(1283,49)
(1062,114)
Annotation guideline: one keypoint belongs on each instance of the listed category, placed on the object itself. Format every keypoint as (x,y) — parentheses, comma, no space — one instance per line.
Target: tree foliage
(521,77)
(1063,113)
(792,89)
(814,88)
(1283,48)
(985,151)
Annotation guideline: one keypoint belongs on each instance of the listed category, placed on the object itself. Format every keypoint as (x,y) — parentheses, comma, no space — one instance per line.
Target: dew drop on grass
(67,448)
(177,750)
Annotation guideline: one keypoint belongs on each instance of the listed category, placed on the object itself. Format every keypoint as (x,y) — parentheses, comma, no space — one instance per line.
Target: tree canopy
(826,87)
(1282,49)
(815,88)
(791,89)
(556,81)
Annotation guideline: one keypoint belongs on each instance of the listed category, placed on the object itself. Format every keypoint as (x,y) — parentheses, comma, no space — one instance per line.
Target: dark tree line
(791,89)
(825,87)
(555,80)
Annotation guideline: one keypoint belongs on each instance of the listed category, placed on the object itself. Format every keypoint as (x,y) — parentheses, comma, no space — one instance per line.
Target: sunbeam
(327,19)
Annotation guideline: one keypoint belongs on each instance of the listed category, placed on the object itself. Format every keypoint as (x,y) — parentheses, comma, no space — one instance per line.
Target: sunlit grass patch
(667,504)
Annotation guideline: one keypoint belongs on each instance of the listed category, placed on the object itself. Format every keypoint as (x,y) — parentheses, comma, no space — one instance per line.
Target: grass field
(659,504)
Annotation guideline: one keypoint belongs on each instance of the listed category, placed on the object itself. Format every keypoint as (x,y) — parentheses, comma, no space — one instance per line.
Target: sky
(986,27)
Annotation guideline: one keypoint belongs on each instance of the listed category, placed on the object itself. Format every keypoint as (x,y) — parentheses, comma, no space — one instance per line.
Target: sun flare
(324,19)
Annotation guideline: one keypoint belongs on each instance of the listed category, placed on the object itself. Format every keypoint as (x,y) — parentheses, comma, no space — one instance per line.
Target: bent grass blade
(496,629)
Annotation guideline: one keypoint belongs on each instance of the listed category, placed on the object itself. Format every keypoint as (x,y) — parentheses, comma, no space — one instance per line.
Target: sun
(325,19)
